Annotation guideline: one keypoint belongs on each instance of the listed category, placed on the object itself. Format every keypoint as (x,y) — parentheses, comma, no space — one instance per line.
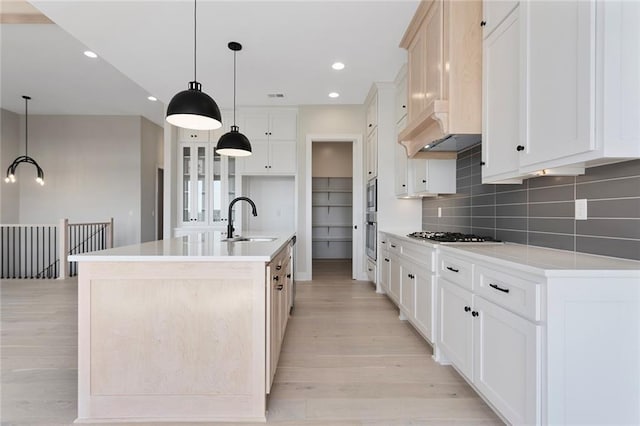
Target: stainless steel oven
(371,235)
(372,196)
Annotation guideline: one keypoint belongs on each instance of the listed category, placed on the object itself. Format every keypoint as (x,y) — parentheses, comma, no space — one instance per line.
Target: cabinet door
(455,333)
(418,175)
(283,125)
(501,112)
(559,70)
(424,302)
(282,157)
(372,154)
(401,161)
(190,135)
(494,12)
(506,361)
(401,100)
(258,161)
(255,126)
(407,289)
(385,271)
(216,187)
(394,278)
(372,114)
(194,172)
(416,75)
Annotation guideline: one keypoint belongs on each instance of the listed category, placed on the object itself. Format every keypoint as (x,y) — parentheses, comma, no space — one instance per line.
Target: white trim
(358,200)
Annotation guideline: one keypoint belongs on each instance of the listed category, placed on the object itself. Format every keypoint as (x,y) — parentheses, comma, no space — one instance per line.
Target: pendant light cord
(234,87)
(26,126)
(195,39)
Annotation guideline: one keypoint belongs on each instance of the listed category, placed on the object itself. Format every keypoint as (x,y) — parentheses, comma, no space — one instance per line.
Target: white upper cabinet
(432,177)
(401,97)
(494,12)
(501,88)
(189,135)
(372,113)
(579,93)
(273,135)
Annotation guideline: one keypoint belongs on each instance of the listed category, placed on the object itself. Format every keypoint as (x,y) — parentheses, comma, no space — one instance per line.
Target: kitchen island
(185,329)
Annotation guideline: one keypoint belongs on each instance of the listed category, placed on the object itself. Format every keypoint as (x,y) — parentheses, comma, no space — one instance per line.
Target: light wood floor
(346,360)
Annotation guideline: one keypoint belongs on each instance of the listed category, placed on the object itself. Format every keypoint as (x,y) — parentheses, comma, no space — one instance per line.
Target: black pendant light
(234,143)
(192,108)
(11,171)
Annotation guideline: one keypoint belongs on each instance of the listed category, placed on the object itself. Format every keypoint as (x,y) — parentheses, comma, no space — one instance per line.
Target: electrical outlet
(439,211)
(581,209)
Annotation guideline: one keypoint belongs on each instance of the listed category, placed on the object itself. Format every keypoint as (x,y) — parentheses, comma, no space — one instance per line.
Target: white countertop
(537,260)
(199,247)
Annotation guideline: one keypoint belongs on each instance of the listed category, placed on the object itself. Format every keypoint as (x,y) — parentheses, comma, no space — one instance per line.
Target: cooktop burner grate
(452,237)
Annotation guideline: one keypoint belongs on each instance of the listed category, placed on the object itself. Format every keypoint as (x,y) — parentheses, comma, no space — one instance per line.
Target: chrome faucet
(235,200)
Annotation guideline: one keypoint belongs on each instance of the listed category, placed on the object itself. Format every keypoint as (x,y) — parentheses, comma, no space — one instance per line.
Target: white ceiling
(289,47)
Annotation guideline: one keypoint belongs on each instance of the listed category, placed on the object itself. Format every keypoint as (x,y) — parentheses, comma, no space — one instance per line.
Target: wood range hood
(444,78)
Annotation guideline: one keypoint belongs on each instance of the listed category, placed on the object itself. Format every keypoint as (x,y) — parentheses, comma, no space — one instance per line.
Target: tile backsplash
(540,211)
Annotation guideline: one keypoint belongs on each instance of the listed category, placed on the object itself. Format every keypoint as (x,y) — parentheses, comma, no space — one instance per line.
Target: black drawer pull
(386,260)
(474,313)
(288,275)
(278,267)
(467,308)
(280,287)
(276,278)
(393,246)
(383,242)
(504,290)
(452,269)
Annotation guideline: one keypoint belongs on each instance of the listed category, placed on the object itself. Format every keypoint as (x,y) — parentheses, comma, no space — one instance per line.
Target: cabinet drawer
(371,271)
(456,270)
(515,293)
(394,246)
(421,255)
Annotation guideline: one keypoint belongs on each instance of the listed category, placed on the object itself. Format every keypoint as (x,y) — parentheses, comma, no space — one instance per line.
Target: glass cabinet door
(186,184)
(216,188)
(202,184)
(193,174)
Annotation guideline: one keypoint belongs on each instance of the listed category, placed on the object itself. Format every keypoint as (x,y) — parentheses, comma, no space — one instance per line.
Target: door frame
(357,248)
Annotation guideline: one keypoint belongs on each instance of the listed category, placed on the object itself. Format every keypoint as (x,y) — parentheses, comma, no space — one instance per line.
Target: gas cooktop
(452,237)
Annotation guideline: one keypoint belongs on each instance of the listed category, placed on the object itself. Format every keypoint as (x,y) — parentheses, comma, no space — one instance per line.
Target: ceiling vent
(275,95)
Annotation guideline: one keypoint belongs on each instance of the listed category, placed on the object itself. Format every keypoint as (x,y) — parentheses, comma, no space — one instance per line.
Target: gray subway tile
(456,211)
(560,226)
(611,171)
(557,209)
(546,181)
(553,193)
(455,221)
(519,237)
(429,212)
(512,223)
(483,189)
(511,186)
(429,203)
(558,241)
(483,222)
(625,207)
(483,200)
(486,211)
(483,232)
(628,249)
(514,197)
(620,228)
(463,162)
(454,202)
(511,210)
(462,172)
(619,188)
(463,182)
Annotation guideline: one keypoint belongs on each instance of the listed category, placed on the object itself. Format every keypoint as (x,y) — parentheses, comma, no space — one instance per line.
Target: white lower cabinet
(455,327)
(394,278)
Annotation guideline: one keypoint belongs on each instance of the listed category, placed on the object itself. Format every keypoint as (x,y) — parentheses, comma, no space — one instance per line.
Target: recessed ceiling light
(338,66)
(90,54)
(334,94)
(152,98)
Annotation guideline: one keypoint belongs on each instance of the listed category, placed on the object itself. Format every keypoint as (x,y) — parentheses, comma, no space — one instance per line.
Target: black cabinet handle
(404,106)
(482,163)
(370,125)
(288,275)
(386,260)
(474,313)
(393,246)
(383,242)
(278,267)
(497,287)
(483,23)
(452,269)
(280,287)
(369,172)
(403,185)
(355,226)
(276,278)
(424,181)
(520,148)
(467,308)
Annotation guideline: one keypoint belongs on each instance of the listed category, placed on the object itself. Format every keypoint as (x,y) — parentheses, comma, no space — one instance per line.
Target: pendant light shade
(11,170)
(234,143)
(192,108)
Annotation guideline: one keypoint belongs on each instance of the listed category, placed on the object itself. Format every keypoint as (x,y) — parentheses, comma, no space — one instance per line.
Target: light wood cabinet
(444,45)
(273,136)
(494,12)
(279,274)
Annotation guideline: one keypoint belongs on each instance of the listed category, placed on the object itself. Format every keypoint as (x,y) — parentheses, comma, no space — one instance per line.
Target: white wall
(151,142)
(319,119)
(9,150)
(92,172)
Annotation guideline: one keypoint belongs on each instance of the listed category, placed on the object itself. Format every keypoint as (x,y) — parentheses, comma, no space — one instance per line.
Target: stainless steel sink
(249,239)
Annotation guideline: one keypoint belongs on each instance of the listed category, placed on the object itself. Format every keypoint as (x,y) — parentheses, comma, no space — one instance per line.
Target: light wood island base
(172,341)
